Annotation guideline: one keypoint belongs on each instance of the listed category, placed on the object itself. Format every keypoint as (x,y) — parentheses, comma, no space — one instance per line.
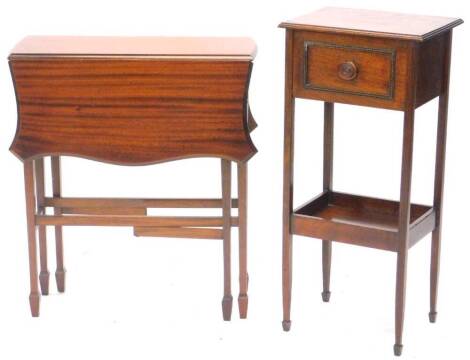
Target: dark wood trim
(390,52)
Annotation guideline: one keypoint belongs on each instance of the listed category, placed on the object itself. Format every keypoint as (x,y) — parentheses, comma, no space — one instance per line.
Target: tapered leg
(44,273)
(328,126)
(435,254)
(326,262)
(56,190)
(289,106)
(34,296)
(242,172)
(226,209)
(403,229)
(400,302)
(439,179)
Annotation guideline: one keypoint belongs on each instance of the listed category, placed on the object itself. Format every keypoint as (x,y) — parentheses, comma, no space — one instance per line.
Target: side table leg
(328,131)
(287,208)
(439,179)
(56,189)
(242,172)
(34,296)
(226,210)
(403,228)
(326,267)
(44,273)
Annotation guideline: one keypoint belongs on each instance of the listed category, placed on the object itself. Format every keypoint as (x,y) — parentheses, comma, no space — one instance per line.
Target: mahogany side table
(133,101)
(369,58)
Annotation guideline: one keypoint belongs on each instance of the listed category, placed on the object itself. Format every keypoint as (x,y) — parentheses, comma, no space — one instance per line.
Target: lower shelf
(359,220)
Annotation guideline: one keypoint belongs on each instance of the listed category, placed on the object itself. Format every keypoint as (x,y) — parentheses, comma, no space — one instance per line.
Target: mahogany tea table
(132,101)
(369,58)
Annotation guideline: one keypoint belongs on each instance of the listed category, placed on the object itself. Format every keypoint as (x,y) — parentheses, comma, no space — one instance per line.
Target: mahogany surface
(152,46)
(368,58)
(373,23)
(133,101)
(132,110)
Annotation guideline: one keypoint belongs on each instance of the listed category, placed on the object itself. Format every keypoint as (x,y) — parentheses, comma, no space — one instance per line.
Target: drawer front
(347,69)
(350,69)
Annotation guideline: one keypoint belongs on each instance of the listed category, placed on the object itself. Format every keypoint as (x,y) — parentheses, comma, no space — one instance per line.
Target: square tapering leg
(57,189)
(289,107)
(328,132)
(439,181)
(34,296)
(242,171)
(404,209)
(226,229)
(40,189)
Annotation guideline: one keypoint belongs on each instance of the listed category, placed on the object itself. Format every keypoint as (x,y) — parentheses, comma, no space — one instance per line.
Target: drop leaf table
(132,101)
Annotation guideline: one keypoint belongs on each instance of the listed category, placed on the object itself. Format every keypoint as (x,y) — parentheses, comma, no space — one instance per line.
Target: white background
(148,298)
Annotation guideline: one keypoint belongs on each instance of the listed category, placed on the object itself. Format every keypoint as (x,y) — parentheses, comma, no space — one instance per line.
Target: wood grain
(376,59)
(431,58)
(375,69)
(373,23)
(131,111)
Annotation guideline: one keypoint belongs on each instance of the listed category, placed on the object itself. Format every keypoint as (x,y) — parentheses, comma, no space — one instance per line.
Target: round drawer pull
(347,70)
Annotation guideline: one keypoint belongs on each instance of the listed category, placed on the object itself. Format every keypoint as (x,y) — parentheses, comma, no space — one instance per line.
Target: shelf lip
(345,233)
(319,197)
(422,226)
(332,216)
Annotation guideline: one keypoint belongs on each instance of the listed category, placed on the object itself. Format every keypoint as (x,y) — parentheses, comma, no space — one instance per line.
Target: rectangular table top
(237,48)
(373,23)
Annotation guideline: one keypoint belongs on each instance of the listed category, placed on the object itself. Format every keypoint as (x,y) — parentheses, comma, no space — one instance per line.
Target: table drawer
(347,69)
(350,69)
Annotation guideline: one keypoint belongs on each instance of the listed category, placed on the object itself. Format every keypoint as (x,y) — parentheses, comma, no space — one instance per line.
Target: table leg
(56,189)
(44,273)
(226,209)
(289,107)
(403,228)
(439,179)
(242,172)
(34,296)
(326,268)
(328,126)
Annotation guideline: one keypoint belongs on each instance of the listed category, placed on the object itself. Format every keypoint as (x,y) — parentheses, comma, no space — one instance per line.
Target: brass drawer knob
(347,70)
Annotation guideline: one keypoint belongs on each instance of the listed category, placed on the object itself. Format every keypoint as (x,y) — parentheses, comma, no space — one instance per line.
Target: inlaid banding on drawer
(323,64)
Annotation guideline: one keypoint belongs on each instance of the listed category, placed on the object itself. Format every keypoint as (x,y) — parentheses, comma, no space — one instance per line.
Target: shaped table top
(236,48)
